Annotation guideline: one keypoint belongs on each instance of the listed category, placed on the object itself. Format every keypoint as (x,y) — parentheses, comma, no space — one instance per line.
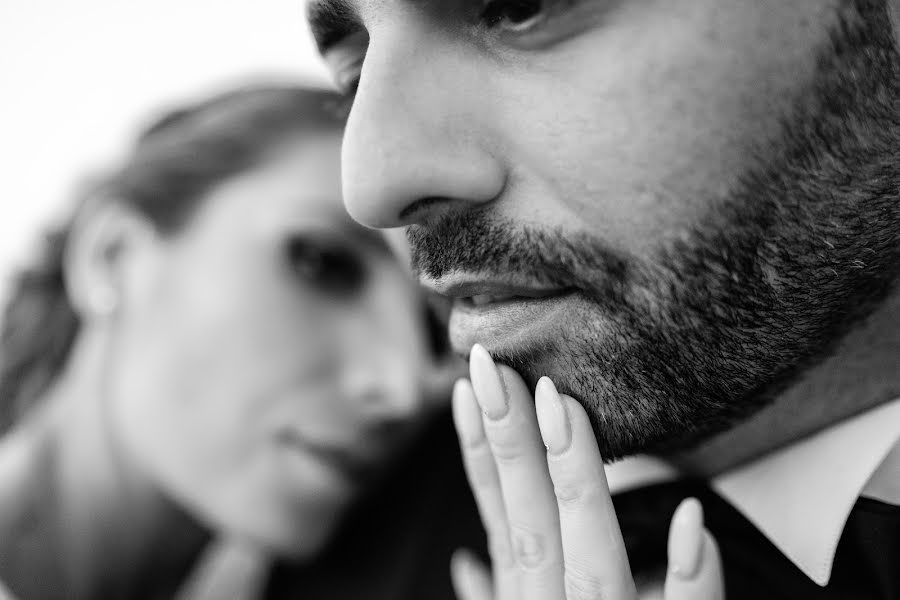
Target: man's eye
(537,24)
(335,271)
(513,15)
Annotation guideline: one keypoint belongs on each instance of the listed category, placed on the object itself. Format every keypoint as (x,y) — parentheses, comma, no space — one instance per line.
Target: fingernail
(462,560)
(686,539)
(463,563)
(553,418)
(466,414)
(487,383)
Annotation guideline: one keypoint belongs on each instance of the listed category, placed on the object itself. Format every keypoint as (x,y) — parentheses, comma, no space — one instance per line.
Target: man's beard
(665,353)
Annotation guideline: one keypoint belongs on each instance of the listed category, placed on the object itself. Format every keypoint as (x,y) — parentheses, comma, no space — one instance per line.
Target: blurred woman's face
(267,359)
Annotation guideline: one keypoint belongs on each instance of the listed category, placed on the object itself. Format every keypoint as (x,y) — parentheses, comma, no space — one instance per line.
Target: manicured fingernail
(466,414)
(686,539)
(487,383)
(463,564)
(553,418)
(461,560)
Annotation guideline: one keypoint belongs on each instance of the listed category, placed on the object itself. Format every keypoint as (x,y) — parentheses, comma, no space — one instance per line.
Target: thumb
(695,567)
(471,579)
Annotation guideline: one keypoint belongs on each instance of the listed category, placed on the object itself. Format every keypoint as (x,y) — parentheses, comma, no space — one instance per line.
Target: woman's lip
(517,322)
(355,464)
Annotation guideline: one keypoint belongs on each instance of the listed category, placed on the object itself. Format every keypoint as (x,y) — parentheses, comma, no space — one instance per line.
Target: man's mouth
(500,313)
(480,293)
(482,299)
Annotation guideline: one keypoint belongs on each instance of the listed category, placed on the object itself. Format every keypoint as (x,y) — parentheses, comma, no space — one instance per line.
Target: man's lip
(469,287)
(517,323)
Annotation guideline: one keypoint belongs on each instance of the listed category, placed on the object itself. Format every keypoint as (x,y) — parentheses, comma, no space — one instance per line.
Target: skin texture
(712,183)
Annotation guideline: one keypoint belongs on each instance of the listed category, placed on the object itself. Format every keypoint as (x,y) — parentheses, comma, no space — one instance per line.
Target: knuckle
(530,549)
(477,448)
(582,585)
(501,557)
(506,450)
(577,492)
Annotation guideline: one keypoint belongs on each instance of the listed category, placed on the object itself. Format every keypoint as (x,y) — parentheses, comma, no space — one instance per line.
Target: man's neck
(863,373)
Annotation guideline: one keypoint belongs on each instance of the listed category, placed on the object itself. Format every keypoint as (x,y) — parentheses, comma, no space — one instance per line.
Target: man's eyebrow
(331,21)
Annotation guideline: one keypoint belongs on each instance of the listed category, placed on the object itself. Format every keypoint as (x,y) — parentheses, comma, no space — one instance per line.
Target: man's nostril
(414,211)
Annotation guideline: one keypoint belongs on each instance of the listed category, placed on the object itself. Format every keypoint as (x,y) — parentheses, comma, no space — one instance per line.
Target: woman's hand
(550,522)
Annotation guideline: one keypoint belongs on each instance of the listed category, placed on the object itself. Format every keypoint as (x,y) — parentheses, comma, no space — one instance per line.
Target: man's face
(669,207)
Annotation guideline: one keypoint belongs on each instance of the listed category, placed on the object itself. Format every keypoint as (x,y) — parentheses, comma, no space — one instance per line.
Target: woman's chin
(290,507)
(296,531)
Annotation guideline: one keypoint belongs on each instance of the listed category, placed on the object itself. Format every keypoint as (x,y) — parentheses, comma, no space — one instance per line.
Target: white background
(79,77)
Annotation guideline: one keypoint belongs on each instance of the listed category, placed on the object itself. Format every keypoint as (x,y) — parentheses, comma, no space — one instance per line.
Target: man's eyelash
(492,12)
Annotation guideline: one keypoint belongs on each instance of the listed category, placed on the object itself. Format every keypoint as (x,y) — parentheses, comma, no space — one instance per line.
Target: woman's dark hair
(172,165)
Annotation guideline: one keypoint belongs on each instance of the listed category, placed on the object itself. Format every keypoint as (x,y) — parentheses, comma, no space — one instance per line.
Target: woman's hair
(172,165)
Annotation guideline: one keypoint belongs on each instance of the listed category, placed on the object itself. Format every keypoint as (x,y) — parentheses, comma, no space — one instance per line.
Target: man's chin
(632,407)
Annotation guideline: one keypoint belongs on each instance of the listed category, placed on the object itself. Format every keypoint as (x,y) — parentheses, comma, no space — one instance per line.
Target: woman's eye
(348,83)
(347,96)
(345,61)
(513,15)
(336,271)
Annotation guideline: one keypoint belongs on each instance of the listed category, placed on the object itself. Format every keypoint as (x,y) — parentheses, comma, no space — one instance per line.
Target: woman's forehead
(300,187)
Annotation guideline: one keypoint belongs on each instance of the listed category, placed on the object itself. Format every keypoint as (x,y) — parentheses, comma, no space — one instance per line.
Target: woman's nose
(411,149)
(384,391)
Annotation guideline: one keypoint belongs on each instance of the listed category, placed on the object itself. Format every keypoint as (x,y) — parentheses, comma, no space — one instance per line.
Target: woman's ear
(103,246)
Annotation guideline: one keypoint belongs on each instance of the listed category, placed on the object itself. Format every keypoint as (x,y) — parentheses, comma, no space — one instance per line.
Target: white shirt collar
(800,496)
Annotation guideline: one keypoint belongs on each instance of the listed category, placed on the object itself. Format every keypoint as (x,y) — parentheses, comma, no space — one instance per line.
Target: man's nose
(415,145)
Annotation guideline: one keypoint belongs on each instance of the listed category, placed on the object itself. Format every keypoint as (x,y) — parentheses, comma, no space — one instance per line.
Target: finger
(510,425)
(596,565)
(5,594)
(695,567)
(485,483)
(471,578)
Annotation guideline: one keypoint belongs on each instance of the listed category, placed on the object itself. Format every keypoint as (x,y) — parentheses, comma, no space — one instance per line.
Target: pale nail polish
(686,539)
(463,563)
(553,418)
(490,390)
(466,414)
